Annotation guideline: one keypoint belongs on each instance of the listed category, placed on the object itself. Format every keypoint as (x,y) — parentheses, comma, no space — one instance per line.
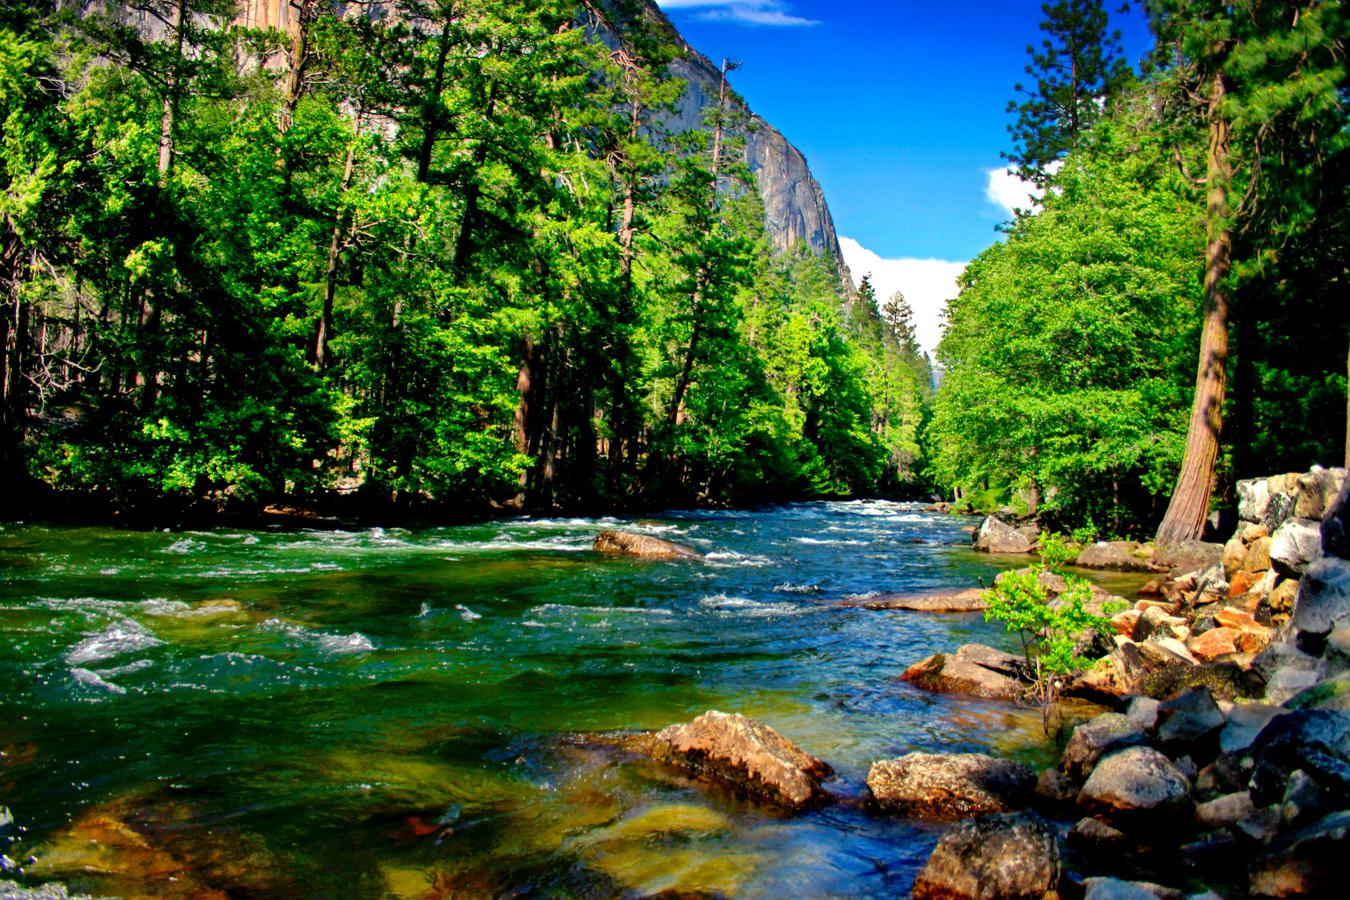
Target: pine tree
(1076,72)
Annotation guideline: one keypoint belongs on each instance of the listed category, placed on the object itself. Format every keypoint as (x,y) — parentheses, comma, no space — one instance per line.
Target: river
(399,713)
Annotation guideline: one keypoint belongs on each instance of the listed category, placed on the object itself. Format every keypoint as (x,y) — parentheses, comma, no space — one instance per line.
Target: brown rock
(1000,857)
(642,546)
(968,600)
(1234,552)
(1135,783)
(1312,863)
(1255,533)
(973,669)
(949,785)
(1095,738)
(1189,556)
(997,536)
(1125,622)
(1225,811)
(1242,582)
(1056,788)
(1258,555)
(1117,555)
(1094,834)
(748,754)
(1215,643)
(1281,599)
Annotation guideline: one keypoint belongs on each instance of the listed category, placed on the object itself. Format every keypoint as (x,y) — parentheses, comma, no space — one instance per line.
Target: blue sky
(899,107)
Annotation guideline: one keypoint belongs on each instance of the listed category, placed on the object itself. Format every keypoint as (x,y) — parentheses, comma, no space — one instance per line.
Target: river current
(405,713)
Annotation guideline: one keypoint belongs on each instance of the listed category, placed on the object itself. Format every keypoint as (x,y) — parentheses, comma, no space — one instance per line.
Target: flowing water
(405,713)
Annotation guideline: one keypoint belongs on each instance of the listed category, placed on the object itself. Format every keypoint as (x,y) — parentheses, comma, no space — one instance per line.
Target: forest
(441,257)
(445,257)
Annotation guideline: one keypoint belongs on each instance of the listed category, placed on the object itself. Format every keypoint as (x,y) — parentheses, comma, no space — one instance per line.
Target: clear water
(403,713)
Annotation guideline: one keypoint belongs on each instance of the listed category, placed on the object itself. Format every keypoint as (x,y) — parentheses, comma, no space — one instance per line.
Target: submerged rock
(998,857)
(967,600)
(973,669)
(745,753)
(949,785)
(642,546)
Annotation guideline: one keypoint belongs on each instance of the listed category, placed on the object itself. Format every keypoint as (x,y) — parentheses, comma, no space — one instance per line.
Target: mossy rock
(1224,680)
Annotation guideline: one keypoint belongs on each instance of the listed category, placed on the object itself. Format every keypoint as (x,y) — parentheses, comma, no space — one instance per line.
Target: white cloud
(1007,190)
(926,283)
(774,13)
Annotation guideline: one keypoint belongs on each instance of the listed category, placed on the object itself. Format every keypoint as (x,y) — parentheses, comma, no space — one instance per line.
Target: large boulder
(997,536)
(1316,741)
(1137,783)
(1097,737)
(1323,602)
(1189,719)
(941,601)
(1315,493)
(1253,498)
(999,857)
(1336,525)
(1105,888)
(1112,555)
(642,546)
(1244,724)
(949,785)
(1295,545)
(973,669)
(746,753)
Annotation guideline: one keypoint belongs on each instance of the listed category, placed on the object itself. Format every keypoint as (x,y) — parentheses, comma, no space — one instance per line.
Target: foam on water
(467,614)
(94,680)
(126,636)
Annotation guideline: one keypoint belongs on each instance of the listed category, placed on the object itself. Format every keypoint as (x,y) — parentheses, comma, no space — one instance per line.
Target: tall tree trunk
(325,325)
(431,107)
(170,104)
(1189,507)
(472,195)
(295,75)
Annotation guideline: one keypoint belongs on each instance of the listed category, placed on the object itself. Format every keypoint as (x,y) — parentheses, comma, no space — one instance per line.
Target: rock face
(997,536)
(642,546)
(1112,555)
(968,600)
(973,669)
(745,753)
(999,857)
(949,786)
(1136,783)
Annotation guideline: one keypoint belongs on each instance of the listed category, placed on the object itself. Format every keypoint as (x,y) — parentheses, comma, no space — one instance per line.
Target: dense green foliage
(1069,358)
(446,255)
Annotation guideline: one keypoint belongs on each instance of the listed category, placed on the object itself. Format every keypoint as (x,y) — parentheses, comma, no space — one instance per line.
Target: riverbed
(410,713)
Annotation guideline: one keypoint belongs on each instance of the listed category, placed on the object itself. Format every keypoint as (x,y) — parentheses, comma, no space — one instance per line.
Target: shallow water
(396,713)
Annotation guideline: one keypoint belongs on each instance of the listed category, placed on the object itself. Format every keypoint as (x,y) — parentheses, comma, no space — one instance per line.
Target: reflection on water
(405,713)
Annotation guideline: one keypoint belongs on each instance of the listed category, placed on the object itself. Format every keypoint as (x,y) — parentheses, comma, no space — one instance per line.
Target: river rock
(973,669)
(1188,718)
(1295,545)
(1117,555)
(1244,723)
(1105,888)
(1096,836)
(1314,740)
(967,600)
(1224,811)
(998,857)
(1310,863)
(642,546)
(1055,788)
(997,536)
(949,785)
(1097,737)
(1214,643)
(1135,783)
(1143,712)
(746,753)
(1188,556)
(1323,597)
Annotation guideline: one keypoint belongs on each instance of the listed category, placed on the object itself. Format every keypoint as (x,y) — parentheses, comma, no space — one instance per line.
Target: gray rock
(1102,888)
(1244,724)
(1260,827)
(944,601)
(1188,718)
(1323,602)
(6,817)
(1286,684)
(1253,498)
(1279,510)
(1314,740)
(1311,863)
(1095,835)
(1117,555)
(973,669)
(1135,783)
(1056,788)
(10,890)
(1190,556)
(1304,800)
(1094,739)
(1143,712)
(1295,545)
(997,536)
(1000,856)
(949,785)
(1222,812)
